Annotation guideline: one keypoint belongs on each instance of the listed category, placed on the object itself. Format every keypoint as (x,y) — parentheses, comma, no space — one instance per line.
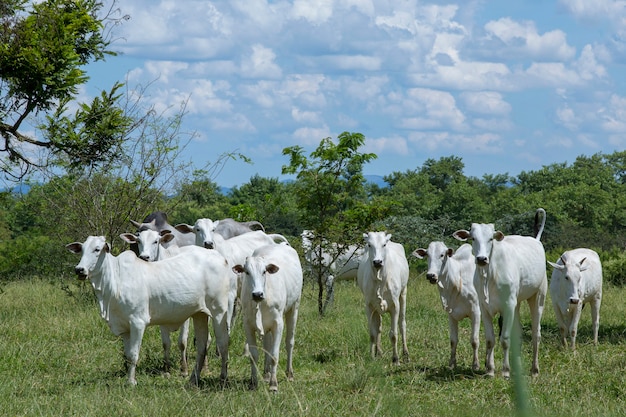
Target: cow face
(93,251)
(570,276)
(436,255)
(376,247)
(482,236)
(255,273)
(204,230)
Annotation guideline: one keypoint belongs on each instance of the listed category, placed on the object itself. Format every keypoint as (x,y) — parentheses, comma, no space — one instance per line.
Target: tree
(330,194)
(44,47)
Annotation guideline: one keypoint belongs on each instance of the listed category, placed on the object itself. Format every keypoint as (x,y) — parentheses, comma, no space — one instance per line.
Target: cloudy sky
(508,86)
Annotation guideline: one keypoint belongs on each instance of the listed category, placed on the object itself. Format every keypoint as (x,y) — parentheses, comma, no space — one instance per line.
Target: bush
(28,256)
(614,271)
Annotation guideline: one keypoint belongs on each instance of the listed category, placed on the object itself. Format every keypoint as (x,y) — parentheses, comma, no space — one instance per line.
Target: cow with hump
(576,280)
(509,270)
(383,276)
(270,297)
(133,294)
(453,273)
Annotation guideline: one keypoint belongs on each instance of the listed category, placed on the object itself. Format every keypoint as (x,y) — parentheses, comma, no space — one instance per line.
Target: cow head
(482,236)
(376,247)
(255,273)
(93,252)
(148,242)
(437,254)
(569,273)
(204,229)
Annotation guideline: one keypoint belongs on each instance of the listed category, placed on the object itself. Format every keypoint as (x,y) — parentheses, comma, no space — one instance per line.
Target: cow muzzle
(258,296)
(377,263)
(432,278)
(482,260)
(209,245)
(81,273)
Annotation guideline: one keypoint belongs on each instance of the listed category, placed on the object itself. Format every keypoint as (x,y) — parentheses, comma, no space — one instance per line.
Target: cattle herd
(204,272)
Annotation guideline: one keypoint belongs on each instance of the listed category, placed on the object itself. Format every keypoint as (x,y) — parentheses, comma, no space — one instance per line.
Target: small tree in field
(331,197)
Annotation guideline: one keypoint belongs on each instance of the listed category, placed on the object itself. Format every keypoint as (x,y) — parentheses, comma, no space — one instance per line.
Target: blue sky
(508,86)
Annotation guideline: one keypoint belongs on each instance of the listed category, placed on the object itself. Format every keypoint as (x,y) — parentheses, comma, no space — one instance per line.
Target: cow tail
(539,231)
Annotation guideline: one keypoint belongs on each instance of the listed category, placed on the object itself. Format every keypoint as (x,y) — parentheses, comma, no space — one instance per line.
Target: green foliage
(43,49)
(614,271)
(28,256)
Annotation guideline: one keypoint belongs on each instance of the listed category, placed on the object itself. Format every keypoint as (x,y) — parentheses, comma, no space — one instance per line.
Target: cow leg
(573,326)
(595,318)
(453,326)
(490,342)
(183,335)
(508,321)
(221,328)
(291,318)
(561,320)
(374,322)
(474,338)
(268,342)
(536,304)
(201,330)
(393,332)
(251,342)
(277,334)
(132,345)
(402,320)
(167,344)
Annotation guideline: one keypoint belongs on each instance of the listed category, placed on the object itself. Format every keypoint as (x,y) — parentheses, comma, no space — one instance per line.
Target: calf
(576,280)
(133,294)
(271,290)
(453,273)
(383,276)
(510,269)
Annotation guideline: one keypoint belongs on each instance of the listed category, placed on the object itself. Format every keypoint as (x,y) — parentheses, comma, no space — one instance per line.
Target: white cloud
(387,145)
(485,102)
(310,136)
(523,38)
(260,64)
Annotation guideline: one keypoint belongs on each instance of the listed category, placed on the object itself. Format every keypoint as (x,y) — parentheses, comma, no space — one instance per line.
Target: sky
(507,86)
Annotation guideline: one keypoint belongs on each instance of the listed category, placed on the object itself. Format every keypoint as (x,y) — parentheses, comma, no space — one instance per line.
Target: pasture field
(58,357)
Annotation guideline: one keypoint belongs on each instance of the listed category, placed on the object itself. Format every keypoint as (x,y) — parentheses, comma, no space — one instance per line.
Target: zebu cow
(510,269)
(151,248)
(205,233)
(271,290)
(576,280)
(383,276)
(342,263)
(453,273)
(133,294)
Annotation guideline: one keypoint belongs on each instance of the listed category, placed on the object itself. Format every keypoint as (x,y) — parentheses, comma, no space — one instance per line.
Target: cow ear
(75,247)
(498,235)
(582,266)
(166,237)
(272,269)
(238,269)
(388,237)
(128,237)
(184,228)
(365,235)
(450,252)
(106,248)
(420,253)
(461,235)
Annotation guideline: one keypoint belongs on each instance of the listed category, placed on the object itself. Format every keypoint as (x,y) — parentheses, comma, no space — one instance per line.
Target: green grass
(58,357)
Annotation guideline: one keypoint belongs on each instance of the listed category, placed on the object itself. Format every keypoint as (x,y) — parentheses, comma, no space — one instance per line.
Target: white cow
(510,269)
(151,248)
(205,233)
(342,263)
(272,287)
(576,280)
(453,273)
(383,276)
(133,294)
